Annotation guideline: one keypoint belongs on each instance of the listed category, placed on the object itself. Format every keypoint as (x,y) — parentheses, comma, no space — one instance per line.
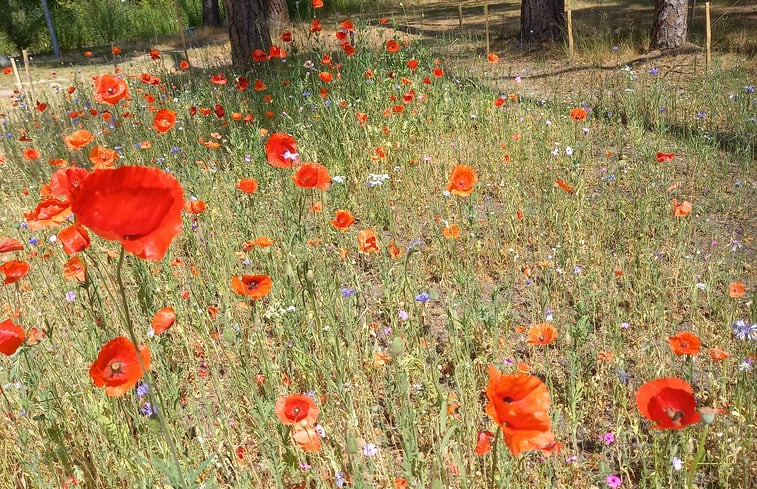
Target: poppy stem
(698,458)
(152,391)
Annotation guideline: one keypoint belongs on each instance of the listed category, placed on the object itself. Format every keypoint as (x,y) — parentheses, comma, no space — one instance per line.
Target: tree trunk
(542,20)
(248,30)
(277,11)
(670,24)
(211,14)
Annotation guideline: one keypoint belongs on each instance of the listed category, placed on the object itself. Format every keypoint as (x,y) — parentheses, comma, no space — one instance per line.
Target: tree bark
(248,30)
(211,14)
(277,11)
(542,20)
(670,24)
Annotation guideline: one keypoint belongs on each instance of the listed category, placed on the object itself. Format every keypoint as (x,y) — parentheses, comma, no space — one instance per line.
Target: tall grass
(395,351)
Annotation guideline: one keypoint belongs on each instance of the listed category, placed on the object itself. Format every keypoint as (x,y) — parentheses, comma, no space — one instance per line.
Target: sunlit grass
(396,350)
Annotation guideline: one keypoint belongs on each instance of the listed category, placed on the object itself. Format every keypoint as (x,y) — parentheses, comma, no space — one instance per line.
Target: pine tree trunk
(278,12)
(670,24)
(248,30)
(211,14)
(542,20)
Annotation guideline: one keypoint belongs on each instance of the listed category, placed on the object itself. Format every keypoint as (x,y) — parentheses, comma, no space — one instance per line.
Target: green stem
(151,391)
(698,458)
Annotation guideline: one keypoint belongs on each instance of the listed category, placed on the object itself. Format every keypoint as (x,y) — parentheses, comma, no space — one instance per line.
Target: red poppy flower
(317,4)
(681,209)
(520,406)
(718,355)
(116,50)
(342,219)
(9,244)
(296,409)
(138,206)
(253,286)
(154,54)
(668,402)
(78,139)
(462,180)
(48,213)
(662,157)
(117,366)
(392,46)
(184,64)
(7,70)
(31,154)
(74,239)
(162,320)
(685,343)
(484,442)
(412,64)
(248,185)
(451,231)
(75,270)
(492,58)
(281,150)
(578,114)
(150,79)
(736,290)
(312,175)
(242,84)
(12,336)
(368,241)
(193,206)
(218,79)
(164,120)
(259,56)
(14,271)
(110,89)
(561,183)
(102,157)
(307,439)
(276,52)
(542,334)
(315,25)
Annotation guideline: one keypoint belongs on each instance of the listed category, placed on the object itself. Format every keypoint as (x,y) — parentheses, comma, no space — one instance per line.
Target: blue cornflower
(744,331)
(422,297)
(347,292)
(653,71)
(147,409)
(142,389)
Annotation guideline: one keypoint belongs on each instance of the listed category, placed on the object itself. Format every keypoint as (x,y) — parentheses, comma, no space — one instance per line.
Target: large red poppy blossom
(117,366)
(163,319)
(668,402)
(685,343)
(74,239)
(14,271)
(78,139)
(312,175)
(12,336)
(253,286)
(110,89)
(9,244)
(296,409)
(164,120)
(63,180)
(48,213)
(281,150)
(520,406)
(136,205)
(462,180)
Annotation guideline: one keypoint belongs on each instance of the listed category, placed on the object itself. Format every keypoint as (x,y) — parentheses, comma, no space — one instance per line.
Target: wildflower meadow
(379,260)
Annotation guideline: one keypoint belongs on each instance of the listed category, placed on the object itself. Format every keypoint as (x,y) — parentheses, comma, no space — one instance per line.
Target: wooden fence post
(460,14)
(570,35)
(486,24)
(16,75)
(25,53)
(708,55)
